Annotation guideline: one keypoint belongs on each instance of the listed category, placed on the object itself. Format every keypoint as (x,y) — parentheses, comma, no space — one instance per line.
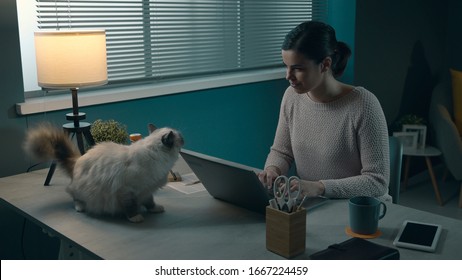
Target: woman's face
(303,74)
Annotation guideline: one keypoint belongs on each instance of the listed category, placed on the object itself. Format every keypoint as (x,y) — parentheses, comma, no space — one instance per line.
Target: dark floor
(419,194)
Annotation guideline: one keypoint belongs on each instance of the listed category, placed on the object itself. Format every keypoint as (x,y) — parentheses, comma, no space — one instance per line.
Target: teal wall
(341,15)
(236,123)
(11,92)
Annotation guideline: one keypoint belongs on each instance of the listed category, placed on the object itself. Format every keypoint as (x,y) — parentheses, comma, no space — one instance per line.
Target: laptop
(235,183)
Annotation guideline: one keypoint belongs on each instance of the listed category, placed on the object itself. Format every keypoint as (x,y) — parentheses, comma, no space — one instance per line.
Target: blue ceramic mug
(365,213)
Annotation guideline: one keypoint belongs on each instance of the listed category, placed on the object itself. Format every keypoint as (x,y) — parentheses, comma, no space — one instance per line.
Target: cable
(32,166)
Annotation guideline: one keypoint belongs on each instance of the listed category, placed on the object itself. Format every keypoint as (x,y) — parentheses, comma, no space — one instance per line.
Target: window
(153,40)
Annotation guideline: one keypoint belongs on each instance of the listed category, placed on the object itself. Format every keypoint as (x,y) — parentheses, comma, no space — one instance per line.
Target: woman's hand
(268,176)
(311,188)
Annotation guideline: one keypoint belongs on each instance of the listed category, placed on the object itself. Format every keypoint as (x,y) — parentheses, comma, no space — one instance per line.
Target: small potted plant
(412,125)
(410,119)
(110,130)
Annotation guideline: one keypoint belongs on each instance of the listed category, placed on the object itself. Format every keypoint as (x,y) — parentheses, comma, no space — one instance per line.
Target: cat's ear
(151,128)
(168,139)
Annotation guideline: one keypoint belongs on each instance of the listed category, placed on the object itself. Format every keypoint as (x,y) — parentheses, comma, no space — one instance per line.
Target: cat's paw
(79,206)
(136,219)
(157,209)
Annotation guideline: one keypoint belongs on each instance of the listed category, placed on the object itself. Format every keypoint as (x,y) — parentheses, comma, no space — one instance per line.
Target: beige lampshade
(71,58)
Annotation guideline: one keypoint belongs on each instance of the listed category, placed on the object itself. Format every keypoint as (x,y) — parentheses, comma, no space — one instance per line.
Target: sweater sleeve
(372,139)
(281,154)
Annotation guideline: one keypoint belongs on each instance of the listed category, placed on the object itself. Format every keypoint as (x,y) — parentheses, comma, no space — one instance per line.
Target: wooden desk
(197,226)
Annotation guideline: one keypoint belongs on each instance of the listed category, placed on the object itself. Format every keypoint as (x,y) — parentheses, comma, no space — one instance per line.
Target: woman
(335,133)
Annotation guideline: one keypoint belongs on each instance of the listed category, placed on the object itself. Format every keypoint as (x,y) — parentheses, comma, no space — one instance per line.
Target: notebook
(235,183)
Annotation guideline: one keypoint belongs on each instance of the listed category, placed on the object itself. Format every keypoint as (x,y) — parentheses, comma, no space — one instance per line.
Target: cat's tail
(46,142)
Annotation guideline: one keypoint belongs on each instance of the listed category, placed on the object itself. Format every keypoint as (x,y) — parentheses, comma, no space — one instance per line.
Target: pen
(301,202)
(173,175)
(192,183)
(273,204)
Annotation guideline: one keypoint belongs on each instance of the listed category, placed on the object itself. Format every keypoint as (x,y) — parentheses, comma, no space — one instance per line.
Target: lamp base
(80,132)
(72,117)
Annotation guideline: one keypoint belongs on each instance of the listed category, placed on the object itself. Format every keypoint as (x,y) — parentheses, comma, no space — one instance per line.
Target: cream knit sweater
(343,143)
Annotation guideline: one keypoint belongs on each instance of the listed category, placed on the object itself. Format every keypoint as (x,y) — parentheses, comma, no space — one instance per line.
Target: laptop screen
(235,183)
(229,181)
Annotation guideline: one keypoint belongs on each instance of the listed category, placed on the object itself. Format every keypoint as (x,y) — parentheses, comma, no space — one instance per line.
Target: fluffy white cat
(111,178)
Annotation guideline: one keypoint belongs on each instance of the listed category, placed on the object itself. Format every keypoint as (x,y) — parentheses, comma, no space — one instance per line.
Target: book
(356,249)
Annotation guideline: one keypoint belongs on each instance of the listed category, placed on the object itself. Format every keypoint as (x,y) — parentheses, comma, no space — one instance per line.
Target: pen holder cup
(285,232)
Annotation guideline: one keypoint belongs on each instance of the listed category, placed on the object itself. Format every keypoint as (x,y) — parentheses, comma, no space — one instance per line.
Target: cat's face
(169,137)
(173,139)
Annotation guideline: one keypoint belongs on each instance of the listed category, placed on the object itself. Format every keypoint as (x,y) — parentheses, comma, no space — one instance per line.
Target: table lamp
(71,59)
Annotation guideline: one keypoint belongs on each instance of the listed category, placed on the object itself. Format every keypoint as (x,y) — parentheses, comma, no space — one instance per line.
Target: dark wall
(16,234)
(400,50)
(454,34)
(11,92)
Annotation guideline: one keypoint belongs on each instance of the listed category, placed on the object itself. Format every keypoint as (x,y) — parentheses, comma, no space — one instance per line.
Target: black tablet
(418,235)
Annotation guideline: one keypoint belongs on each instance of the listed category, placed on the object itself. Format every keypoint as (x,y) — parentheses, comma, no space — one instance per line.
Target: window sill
(60,102)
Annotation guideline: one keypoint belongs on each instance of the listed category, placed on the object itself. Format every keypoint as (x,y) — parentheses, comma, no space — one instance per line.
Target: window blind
(157,40)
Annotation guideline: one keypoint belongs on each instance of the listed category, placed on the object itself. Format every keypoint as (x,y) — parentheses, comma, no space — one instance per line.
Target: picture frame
(408,139)
(421,133)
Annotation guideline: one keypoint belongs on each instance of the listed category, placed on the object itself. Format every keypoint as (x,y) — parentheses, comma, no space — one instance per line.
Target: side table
(426,152)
